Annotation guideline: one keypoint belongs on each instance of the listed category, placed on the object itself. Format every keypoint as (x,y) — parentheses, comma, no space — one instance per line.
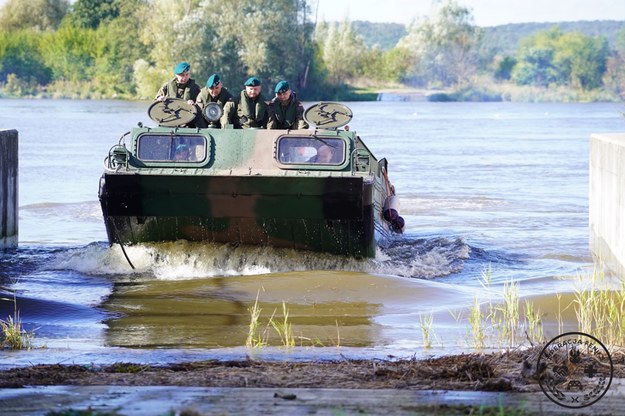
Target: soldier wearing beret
(252,108)
(285,111)
(215,92)
(181,86)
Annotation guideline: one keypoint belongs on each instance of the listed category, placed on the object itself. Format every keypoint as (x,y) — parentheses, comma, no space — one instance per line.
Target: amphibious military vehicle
(319,189)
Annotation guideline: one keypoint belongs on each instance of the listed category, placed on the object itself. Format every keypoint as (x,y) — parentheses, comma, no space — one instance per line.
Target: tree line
(128,48)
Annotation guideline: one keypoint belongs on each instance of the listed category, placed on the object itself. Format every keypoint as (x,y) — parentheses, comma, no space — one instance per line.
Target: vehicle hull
(334,214)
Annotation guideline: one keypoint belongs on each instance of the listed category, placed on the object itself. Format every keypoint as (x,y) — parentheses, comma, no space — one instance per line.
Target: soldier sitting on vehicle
(285,111)
(252,108)
(182,87)
(215,92)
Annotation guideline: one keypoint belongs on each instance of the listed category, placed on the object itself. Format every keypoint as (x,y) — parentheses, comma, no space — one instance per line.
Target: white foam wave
(181,260)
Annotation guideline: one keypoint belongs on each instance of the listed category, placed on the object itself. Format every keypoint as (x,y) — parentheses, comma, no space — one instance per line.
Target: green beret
(212,81)
(182,67)
(281,86)
(252,82)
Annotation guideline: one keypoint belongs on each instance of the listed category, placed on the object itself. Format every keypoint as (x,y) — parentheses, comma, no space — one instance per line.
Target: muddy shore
(461,384)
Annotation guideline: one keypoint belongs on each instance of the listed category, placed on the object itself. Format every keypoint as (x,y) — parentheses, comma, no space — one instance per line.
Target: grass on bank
(499,323)
(503,320)
(259,333)
(600,308)
(12,335)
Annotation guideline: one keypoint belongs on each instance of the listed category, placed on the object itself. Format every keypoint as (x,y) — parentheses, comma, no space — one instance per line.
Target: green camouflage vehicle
(319,189)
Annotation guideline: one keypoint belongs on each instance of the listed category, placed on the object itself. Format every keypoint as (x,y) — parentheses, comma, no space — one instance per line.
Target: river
(486,189)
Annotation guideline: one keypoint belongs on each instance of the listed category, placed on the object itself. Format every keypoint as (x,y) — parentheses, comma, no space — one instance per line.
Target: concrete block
(607,200)
(8,189)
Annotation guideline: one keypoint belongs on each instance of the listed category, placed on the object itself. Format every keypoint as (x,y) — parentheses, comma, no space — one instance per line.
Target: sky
(485,12)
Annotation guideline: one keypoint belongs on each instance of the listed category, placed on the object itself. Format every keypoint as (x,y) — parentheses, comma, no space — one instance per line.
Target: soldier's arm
(300,122)
(162,93)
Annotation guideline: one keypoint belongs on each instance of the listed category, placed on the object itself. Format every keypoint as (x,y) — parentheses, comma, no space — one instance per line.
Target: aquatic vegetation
(510,311)
(12,335)
(257,337)
(426,328)
(254,339)
(284,327)
(258,333)
(477,329)
(501,315)
(598,304)
(600,307)
(534,329)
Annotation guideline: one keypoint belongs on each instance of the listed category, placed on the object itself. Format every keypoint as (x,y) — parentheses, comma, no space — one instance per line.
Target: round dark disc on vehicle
(172,112)
(328,115)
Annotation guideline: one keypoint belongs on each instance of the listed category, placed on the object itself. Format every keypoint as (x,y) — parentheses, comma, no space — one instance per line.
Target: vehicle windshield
(311,150)
(171,148)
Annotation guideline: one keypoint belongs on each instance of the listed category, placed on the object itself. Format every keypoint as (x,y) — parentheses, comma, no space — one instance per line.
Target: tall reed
(284,327)
(254,339)
(600,307)
(426,322)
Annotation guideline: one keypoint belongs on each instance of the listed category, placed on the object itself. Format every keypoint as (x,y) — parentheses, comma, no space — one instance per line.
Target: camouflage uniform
(252,113)
(227,103)
(287,115)
(172,89)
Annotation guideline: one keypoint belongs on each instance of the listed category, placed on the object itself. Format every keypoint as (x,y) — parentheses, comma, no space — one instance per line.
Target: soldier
(183,87)
(252,108)
(215,92)
(285,111)
(324,155)
(182,152)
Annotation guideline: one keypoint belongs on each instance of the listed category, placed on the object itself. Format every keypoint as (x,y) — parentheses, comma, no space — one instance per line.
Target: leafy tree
(20,55)
(386,66)
(582,59)
(38,15)
(163,33)
(535,67)
(90,14)
(117,52)
(553,57)
(396,64)
(266,38)
(445,45)
(343,51)
(70,53)
(614,77)
(504,67)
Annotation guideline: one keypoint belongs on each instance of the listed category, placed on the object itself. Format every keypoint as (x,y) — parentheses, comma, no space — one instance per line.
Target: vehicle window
(172,148)
(311,150)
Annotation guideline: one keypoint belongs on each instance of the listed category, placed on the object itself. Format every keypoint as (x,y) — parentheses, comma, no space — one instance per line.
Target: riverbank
(462,384)
(486,91)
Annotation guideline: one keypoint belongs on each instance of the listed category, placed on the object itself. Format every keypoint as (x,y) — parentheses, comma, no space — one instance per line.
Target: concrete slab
(160,400)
